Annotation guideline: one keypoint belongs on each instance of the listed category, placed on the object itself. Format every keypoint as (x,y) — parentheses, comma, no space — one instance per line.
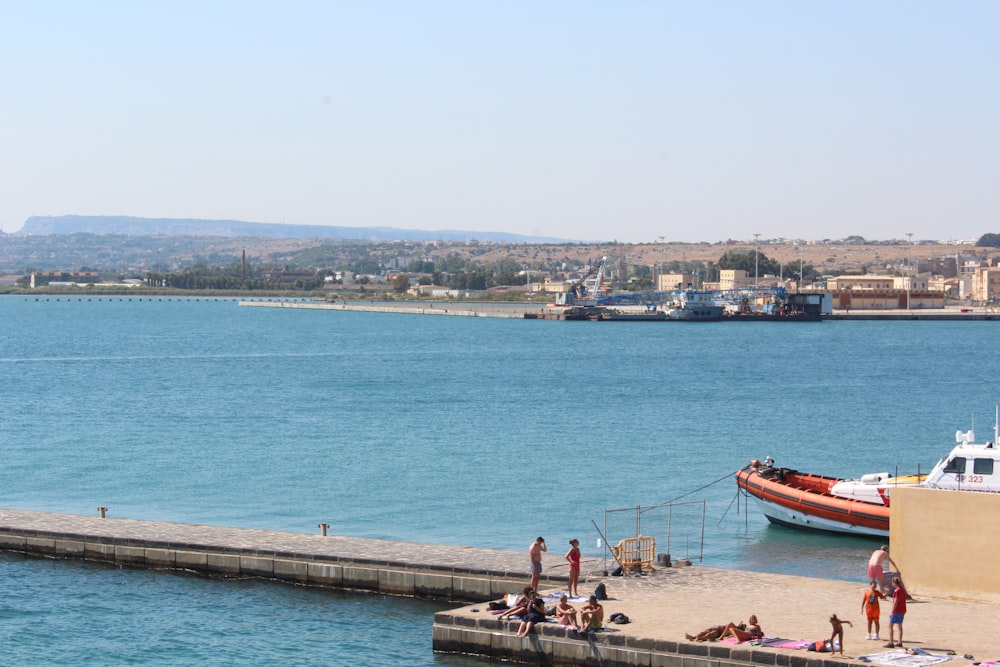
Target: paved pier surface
(663,605)
(666,604)
(383,566)
(242,540)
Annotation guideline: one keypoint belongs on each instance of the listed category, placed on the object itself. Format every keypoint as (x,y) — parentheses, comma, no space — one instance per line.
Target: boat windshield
(957,464)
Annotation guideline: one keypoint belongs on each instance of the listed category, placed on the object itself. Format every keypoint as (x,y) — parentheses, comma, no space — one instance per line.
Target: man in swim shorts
(592,615)
(876,565)
(535,553)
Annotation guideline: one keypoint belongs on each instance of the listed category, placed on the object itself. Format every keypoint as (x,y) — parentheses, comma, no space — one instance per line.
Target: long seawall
(378,566)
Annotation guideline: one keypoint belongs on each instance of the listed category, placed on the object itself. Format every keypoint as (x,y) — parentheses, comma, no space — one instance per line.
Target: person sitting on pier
(566,613)
(743,633)
(535,614)
(592,615)
(520,606)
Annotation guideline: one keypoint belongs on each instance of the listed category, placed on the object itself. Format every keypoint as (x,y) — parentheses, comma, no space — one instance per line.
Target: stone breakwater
(333,561)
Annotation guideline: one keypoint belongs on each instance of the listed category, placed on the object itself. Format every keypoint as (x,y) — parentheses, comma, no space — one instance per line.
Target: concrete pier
(379,566)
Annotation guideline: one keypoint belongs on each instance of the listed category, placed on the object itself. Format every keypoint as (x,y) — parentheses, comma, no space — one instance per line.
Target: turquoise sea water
(462,431)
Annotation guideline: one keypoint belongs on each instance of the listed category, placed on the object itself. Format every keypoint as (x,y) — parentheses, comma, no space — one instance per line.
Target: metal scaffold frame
(614,535)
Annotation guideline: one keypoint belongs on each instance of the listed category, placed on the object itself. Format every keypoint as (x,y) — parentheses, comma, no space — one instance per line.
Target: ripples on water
(454,430)
(72,613)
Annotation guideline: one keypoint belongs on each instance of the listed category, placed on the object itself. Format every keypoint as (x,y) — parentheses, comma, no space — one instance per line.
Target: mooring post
(102,510)
(323,527)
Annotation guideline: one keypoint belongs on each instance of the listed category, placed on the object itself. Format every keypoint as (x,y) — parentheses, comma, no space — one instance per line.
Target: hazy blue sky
(626,120)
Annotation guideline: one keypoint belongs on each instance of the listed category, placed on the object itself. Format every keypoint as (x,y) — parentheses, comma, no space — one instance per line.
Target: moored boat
(804,500)
(861,506)
(693,306)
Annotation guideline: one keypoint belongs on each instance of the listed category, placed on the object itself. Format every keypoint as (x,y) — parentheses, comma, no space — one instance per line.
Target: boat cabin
(968,467)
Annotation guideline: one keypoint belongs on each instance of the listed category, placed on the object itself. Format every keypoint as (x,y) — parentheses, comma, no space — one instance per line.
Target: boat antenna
(996,426)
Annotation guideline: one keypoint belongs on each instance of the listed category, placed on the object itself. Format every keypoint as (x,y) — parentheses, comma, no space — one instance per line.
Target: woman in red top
(573,556)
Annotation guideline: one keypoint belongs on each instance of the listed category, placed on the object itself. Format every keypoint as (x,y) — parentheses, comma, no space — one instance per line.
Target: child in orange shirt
(870,608)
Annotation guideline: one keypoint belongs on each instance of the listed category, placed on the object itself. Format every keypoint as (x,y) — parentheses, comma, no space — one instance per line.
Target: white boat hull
(785,516)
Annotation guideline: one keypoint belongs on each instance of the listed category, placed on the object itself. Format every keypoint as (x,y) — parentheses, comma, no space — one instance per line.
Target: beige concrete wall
(734,279)
(945,542)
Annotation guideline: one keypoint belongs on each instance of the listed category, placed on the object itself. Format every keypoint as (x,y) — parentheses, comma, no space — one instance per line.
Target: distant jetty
(527,311)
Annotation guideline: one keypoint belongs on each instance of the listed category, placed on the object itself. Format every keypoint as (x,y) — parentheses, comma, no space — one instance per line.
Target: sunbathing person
(566,613)
(743,633)
(713,632)
(592,615)
(520,606)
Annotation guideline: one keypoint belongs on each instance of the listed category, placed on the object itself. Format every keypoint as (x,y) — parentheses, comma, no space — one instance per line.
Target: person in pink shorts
(876,563)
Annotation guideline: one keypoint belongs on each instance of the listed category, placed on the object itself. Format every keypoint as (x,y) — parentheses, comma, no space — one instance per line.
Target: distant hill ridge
(132,226)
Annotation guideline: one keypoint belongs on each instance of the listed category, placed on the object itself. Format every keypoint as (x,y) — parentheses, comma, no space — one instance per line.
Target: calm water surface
(462,431)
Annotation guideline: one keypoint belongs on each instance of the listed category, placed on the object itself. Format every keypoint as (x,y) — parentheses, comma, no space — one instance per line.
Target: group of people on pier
(878,589)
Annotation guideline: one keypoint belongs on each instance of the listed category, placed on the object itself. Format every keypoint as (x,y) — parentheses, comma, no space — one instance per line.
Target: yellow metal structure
(636,552)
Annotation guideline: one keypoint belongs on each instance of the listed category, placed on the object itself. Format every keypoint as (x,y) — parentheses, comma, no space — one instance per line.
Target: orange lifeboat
(802,500)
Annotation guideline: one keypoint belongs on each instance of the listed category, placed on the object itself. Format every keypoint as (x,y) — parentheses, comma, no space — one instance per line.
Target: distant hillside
(130,226)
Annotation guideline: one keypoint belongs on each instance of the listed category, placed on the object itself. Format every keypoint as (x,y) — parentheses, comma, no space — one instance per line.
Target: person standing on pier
(837,636)
(535,553)
(876,564)
(870,608)
(573,556)
(898,612)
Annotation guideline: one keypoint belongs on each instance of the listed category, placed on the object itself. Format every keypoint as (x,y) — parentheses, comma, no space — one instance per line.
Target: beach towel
(575,598)
(779,642)
(518,619)
(911,657)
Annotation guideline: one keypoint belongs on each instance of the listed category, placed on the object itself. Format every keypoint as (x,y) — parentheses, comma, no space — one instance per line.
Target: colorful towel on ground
(911,657)
(576,598)
(752,642)
(770,642)
(548,619)
(779,642)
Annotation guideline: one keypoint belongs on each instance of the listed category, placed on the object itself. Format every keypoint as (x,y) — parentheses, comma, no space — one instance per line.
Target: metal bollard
(102,510)
(323,527)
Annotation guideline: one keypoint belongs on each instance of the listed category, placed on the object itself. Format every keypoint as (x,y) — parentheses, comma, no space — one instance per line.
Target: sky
(620,120)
